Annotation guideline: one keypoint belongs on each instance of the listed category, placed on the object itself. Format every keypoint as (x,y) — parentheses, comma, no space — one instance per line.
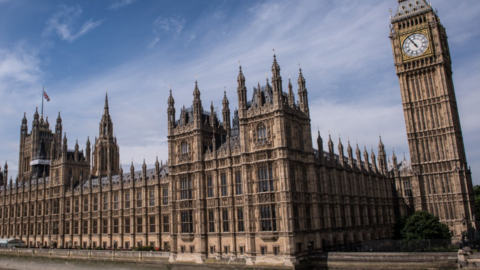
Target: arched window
(261,133)
(185,148)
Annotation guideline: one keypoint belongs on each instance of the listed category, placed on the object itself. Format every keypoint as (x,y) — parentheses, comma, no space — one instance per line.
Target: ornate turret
(359,158)
(226,113)
(302,93)
(350,155)
(259,95)
(76,154)
(197,104)
(291,96)
(340,152)
(132,173)
(157,167)
(5,172)
(106,153)
(144,170)
(276,83)
(365,158)
(320,146)
(394,161)
(374,161)
(24,127)
(58,126)
(171,111)
(88,151)
(382,157)
(241,92)
(65,146)
(330,148)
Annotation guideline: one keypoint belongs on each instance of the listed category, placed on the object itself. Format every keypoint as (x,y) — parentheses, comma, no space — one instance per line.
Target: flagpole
(43,91)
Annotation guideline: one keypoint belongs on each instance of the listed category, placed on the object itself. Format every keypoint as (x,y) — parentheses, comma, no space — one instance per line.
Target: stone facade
(250,186)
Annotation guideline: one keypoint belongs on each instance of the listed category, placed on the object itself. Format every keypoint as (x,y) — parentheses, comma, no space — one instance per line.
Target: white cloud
(170,26)
(121,4)
(19,66)
(63,23)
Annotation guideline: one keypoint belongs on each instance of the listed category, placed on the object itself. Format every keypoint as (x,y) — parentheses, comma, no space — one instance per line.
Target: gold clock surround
(427,53)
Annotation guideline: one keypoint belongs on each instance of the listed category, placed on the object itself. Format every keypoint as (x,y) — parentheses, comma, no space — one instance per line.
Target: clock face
(415,45)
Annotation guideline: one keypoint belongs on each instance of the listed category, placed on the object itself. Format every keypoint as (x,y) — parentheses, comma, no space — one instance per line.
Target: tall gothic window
(166,224)
(211,221)
(209,186)
(187,221)
(151,198)
(407,188)
(139,198)
(265,181)
(240,226)
(185,187)
(185,148)
(238,183)
(226,227)
(223,182)
(261,133)
(165,196)
(127,200)
(268,218)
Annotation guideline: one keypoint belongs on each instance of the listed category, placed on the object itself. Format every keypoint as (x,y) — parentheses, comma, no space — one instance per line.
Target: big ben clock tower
(442,183)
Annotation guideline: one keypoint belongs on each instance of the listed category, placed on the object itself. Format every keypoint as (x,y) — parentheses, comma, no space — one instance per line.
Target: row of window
(55,204)
(268,220)
(73,227)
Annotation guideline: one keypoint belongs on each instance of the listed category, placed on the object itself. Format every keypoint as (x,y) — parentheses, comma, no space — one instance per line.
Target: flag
(46,96)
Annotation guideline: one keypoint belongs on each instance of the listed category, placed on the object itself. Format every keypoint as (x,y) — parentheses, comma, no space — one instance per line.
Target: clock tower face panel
(415,45)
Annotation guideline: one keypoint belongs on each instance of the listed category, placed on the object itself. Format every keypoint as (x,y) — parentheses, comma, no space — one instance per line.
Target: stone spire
(132,173)
(359,157)
(76,155)
(291,96)
(320,146)
(350,155)
(302,93)
(340,151)
(241,92)
(197,104)
(394,160)
(144,170)
(88,150)
(382,157)
(374,161)
(330,148)
(171,111)
(259,95)
(365,158)
(226,113)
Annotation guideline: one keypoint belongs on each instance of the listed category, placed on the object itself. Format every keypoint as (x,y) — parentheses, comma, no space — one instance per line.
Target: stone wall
(319,261)
(384,260)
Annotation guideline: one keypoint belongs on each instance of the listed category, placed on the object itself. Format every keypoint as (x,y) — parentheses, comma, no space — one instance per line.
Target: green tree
(423,225)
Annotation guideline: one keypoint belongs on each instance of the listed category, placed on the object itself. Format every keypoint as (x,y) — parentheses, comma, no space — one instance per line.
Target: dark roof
(410,8)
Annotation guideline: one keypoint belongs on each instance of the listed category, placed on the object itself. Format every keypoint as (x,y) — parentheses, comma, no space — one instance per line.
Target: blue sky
(134,50)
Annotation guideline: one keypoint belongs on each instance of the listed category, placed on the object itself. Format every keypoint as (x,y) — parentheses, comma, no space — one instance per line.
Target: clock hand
(413,42)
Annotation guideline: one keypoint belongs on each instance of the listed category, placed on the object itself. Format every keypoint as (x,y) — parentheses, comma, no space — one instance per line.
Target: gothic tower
(442,181)
(106,153)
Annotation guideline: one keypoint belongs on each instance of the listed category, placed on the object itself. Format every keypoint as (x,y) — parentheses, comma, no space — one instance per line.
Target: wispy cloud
(19,65)
(121,4)
(63,23)
(169,26)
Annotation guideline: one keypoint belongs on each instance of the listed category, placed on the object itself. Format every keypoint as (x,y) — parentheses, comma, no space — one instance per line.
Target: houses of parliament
(251,185)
